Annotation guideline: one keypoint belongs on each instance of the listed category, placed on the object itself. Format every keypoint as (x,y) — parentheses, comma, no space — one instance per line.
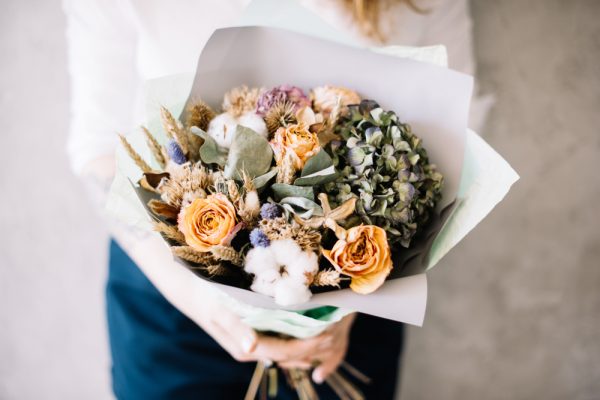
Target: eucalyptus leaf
(210,152)
(283,190)
(316,163)
(317,179)
(249,153)
(262,180)
(302,207)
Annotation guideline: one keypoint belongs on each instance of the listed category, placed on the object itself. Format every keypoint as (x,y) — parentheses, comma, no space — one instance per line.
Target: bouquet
(314,185)
(284,193)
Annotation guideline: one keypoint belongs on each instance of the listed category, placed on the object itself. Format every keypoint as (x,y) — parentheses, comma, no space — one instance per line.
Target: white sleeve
(101,40)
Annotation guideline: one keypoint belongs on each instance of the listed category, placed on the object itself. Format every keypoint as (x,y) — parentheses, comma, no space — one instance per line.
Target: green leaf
(316,163)
(283,190)
(250,153)
(210,152)
(262,180)
(318,178)
(302,207)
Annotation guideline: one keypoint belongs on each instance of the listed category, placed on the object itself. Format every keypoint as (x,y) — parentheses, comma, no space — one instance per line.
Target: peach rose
(326,97)
(364,256)
(208,222)
(297,140)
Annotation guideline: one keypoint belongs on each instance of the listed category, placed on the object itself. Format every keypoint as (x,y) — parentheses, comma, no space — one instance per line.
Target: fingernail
(248,344)
(317,377)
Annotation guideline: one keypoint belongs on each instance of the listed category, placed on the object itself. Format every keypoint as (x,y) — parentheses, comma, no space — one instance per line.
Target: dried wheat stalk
(157,149)
(139,161)
(227,253)
(189,254)
(174,130)
(170,231)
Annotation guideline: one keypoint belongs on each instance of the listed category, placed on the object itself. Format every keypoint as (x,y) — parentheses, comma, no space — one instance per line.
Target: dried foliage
(163,209)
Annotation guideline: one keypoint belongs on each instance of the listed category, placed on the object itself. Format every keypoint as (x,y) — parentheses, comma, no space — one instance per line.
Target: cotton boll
(255,122)
(307,263)
(222,128)
(266,282)
(260,259)
(289,291)
(285,251)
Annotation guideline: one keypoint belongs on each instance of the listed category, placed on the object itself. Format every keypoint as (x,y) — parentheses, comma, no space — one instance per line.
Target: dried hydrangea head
(281,94)
(385,166)
(325,98)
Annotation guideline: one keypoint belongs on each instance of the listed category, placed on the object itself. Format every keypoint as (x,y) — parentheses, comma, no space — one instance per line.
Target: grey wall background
(514,310)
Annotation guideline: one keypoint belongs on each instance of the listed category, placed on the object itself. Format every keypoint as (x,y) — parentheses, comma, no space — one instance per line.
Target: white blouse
(114,45)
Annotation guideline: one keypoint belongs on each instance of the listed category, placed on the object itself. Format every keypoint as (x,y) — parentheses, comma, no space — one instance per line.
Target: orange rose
(208,222)
(364,256)
(297,140)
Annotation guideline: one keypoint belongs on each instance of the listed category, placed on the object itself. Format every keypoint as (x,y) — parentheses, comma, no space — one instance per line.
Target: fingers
(281,350)
(328,365)
(234,335)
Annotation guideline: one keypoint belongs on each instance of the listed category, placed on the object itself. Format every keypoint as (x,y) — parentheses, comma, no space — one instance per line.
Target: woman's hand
(245,344)
(330,357)
(194,298)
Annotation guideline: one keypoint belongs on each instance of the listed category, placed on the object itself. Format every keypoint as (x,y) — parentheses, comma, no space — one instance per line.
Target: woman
(170,338)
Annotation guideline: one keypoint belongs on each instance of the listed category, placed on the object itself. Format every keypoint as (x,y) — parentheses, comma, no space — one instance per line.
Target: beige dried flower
(185,178)
(287,169)
(279,228)
(328,277)
(241,100)
(325,98)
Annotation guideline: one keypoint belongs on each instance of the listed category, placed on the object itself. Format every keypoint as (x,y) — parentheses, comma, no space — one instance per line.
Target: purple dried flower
(292,94)
(175,152)
(270,211)
(258,238)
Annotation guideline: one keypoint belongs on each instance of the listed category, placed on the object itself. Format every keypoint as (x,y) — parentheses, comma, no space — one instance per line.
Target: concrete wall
(514,310)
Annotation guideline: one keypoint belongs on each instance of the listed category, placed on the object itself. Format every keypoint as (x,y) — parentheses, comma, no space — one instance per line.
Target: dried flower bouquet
(287,194)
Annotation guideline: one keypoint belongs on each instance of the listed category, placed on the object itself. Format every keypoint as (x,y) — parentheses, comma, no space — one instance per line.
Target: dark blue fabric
(158,353)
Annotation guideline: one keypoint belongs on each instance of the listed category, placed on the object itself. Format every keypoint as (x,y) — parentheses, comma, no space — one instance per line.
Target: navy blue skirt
(158,353)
